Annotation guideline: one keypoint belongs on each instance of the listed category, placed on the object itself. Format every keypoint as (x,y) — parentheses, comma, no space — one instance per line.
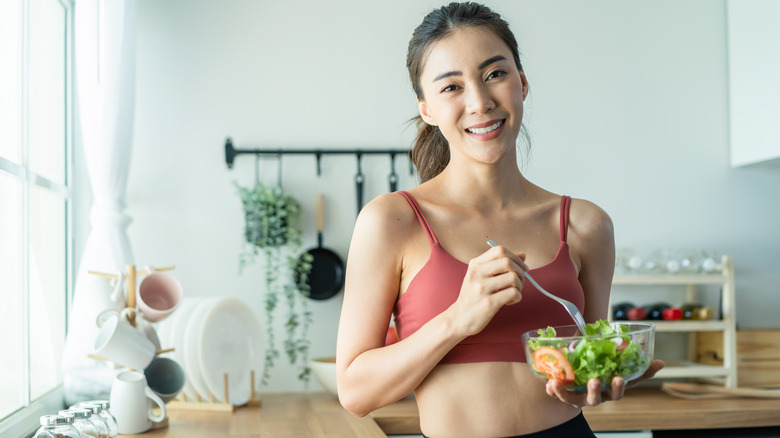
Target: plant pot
(265,229)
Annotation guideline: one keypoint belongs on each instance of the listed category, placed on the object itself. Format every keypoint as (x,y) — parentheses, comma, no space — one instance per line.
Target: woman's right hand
(493,279)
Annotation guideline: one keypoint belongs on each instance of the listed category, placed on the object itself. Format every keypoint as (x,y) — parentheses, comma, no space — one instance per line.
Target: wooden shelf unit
(725,374)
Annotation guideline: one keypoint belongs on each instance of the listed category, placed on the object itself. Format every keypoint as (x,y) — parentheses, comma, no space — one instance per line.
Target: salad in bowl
(606,350)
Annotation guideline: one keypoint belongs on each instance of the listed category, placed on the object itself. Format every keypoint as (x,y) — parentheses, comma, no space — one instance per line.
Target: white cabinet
(725,374)
(753,39)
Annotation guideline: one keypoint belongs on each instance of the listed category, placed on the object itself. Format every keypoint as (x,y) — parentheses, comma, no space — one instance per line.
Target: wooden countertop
(640,409)
(280,415)
(321,415)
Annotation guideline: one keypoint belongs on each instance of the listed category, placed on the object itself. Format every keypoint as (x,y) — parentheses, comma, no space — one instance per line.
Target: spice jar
(57,426)
(83,423)
(101,417)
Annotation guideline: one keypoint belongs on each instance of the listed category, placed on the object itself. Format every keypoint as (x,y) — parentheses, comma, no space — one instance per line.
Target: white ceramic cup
(131,403)
(123,344)
(165,377)
(144,326)
(158,295)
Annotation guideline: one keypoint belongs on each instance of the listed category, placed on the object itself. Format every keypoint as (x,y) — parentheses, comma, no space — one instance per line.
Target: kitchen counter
(279,416)
(321,415)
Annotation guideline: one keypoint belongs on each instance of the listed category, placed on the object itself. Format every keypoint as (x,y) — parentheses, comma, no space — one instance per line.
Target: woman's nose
(479,100)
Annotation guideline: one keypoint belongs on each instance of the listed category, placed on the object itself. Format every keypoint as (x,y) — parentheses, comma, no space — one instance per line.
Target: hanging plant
(272,230)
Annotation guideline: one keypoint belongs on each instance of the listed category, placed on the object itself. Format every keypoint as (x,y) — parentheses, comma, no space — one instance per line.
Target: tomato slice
(553,363)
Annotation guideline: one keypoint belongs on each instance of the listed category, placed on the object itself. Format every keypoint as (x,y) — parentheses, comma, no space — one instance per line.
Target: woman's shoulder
(388,213)
(589,222)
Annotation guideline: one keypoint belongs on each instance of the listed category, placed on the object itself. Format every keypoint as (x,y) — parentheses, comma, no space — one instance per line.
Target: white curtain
(105,86)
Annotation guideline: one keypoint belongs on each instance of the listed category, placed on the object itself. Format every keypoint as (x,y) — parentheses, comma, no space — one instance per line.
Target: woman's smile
(486,131)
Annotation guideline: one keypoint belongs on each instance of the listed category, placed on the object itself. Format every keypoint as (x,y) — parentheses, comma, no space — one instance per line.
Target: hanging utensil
(279,173)
(393,177)
(326,277)
(359,180)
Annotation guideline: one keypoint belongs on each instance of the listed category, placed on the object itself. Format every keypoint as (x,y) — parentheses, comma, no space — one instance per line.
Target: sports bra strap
(432,239)
(564,221)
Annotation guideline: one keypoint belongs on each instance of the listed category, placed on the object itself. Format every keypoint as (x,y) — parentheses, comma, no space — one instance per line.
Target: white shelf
(690,326)
(727,373)
(667,279)
(689,369)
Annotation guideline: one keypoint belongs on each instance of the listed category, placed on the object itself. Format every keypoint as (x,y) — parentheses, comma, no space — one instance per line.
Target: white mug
(146,327)
(131,403)
(123,344)
(158,295)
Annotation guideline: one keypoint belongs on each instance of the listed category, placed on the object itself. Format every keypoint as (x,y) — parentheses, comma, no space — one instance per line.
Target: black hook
(318,155)
(230,153)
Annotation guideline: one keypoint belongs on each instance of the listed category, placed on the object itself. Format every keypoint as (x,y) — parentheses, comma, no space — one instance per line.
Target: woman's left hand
(594,395)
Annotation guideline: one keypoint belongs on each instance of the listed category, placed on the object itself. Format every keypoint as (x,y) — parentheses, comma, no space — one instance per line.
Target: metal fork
(568,305)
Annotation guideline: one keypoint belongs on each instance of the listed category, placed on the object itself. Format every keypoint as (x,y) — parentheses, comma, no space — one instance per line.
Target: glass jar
(82,422)
(103,413)
(103,420)
(57,426)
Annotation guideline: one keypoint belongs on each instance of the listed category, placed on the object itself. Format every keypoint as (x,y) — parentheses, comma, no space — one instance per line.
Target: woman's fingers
(507,274)
(498,252)
(493,279)
(592,397)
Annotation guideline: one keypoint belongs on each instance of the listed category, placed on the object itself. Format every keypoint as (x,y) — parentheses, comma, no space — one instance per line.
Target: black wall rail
(231,152)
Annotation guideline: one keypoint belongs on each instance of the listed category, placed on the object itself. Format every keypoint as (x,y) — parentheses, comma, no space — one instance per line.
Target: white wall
(628,108)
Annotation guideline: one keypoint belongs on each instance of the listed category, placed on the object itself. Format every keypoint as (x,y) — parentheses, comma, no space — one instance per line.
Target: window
(35,242)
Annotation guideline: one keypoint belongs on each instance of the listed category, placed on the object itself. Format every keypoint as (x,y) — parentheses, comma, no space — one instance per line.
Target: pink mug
(158,295)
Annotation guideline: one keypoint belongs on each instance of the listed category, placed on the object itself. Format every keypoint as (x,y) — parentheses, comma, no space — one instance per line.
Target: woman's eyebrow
(481,66)
(491,60)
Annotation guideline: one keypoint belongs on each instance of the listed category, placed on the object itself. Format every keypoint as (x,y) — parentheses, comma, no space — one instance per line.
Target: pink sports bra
(438,284)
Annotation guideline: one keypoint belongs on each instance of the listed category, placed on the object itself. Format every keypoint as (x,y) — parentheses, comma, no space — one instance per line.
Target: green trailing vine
(272,230)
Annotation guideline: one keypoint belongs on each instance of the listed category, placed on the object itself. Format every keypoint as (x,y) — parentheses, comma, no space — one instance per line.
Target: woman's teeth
(490,128)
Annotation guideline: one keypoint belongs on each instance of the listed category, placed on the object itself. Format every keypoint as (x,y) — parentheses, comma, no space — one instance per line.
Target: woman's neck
(485,186)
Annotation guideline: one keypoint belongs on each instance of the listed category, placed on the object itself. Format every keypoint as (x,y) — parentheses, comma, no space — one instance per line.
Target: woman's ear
(524,81)
(426,116)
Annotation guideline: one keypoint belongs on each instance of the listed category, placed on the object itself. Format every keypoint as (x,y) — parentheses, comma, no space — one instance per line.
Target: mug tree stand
(181,402)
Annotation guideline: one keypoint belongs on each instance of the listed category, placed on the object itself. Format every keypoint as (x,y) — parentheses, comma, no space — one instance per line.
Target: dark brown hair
(430,150)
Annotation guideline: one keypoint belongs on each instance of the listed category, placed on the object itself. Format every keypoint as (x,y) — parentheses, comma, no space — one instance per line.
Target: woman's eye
(496,73)
(449,88)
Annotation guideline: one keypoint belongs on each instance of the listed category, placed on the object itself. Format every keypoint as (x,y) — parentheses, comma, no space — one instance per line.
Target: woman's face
(474,93)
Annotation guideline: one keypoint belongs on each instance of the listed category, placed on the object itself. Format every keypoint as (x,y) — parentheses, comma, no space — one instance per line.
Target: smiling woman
(421,257)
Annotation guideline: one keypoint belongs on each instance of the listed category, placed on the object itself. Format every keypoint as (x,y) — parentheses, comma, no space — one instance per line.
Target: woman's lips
(486,131)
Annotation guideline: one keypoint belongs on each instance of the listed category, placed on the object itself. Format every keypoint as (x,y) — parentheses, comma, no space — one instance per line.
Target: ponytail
(430,150)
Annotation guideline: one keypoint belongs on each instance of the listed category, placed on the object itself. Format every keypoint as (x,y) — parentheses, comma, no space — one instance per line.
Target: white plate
(230,343)
(181,317)
(164,331)
(191,344)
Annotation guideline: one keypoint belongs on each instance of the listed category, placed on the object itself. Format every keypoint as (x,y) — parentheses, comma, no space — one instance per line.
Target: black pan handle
(320,218)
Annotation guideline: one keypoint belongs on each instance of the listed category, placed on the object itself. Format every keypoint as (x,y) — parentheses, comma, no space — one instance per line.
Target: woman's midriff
(487,399)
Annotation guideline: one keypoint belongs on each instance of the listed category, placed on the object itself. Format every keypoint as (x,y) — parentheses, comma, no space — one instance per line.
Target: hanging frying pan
(326,277)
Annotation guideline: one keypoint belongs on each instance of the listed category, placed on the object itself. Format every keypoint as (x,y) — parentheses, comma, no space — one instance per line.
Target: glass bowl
(607,350)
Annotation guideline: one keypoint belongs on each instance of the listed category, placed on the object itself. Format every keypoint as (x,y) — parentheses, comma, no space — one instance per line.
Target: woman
(459,305)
